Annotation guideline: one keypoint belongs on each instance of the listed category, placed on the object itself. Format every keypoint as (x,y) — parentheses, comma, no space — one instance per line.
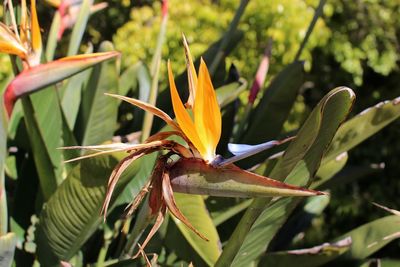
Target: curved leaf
(194,209)
(72,214)
(274,108)
(309,257)
(370,237)
(362,126)
(96,121)
(79,27)
(297,166)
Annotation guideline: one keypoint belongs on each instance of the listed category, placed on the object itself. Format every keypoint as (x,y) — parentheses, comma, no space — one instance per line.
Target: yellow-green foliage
(203,22)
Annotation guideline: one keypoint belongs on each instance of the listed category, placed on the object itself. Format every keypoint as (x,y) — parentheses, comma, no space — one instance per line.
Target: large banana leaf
(97,118)
(72,214)
(298,165)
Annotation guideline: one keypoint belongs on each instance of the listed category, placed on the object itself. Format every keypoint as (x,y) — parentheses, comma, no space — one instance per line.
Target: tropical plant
(51,203)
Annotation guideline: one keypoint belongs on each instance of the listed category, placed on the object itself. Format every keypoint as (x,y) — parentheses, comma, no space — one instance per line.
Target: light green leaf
(72,92)
(193,207)
(7,247)
(230,92)
(310,257)
(129,79)
(224,215)
(97,118)
(52,37)
(3,154)
(362,126)
(381,263)
(79,27)
(370,237)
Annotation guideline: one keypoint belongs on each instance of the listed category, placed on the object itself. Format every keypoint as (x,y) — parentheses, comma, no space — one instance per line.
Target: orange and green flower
(197,171)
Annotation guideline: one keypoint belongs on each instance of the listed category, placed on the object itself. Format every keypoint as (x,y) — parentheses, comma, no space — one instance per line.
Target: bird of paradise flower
(199,170)
(25,42)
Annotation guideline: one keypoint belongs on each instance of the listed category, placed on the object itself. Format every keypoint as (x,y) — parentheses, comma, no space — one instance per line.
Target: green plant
(68,197)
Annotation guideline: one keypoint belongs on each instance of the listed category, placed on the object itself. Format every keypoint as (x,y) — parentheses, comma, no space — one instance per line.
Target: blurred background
(354,43)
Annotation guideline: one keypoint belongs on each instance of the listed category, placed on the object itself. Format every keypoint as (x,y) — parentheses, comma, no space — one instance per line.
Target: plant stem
(317,14)
(227,37)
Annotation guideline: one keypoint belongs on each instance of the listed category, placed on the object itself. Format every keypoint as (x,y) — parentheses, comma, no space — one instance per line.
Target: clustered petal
(204,130)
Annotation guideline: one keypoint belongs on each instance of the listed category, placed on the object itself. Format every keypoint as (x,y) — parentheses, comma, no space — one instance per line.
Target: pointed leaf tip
(193,176)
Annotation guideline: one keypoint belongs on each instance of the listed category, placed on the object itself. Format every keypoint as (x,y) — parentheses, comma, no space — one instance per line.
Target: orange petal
(183,118)
(35,31)
(191,72)
(9,44)
(207,115)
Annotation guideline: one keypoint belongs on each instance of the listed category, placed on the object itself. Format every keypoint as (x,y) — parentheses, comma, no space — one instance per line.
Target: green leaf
(297,166)
(274,108)
(72,92)
(72,214)
(381,263)
(224,215)
(3,154)
(7,247)
(193,207)
(310,257)
(228,93)
(43,124)
(370,237)
(129,78)
(329,169)
(79,27)
(362,126)
(97,118)
(51,44)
